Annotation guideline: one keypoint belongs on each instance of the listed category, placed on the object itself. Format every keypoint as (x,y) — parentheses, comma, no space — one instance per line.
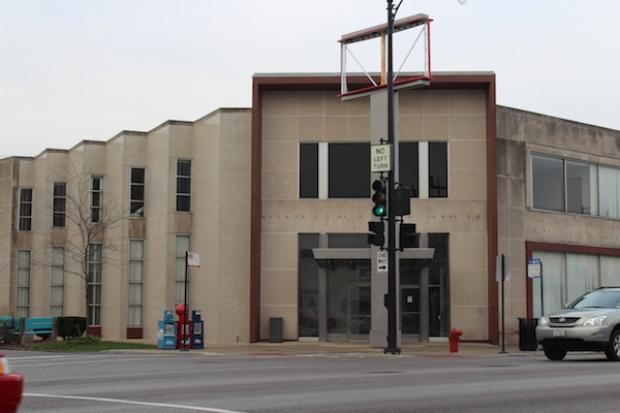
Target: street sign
(380,158)
(534,268)
(382,261)
(193,259)
(498,268)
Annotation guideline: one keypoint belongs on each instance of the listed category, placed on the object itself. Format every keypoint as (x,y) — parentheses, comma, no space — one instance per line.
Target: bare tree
(80,208)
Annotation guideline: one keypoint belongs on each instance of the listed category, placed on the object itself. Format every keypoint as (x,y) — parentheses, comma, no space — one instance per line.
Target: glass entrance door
(348,300)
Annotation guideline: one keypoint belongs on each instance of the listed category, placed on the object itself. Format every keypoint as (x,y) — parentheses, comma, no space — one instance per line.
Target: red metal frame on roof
(376,31)
(420,79)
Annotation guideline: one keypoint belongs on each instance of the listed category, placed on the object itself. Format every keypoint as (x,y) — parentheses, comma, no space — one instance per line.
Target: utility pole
(392,339)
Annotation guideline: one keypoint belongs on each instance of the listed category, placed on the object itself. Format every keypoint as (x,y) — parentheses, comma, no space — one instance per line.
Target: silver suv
(590,323)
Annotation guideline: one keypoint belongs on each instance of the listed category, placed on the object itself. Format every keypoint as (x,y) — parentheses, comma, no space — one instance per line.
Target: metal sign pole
(542,294)
(184,326)
(503,263)
(392,342)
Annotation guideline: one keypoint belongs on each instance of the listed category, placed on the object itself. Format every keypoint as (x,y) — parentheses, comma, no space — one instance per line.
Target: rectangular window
(57,282)
(408,166)
(309,170)
(181,247)
(349,170)
(581,188)
(23,284)
(608,191)
(548,183)
(136,280)
(567,276)
(25,209)
(60,203)
(94,284)
(136,202)
(437,169)
(96,199)
(184,185)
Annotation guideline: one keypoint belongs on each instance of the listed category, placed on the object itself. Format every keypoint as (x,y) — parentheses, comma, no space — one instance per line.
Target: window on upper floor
(136,191)
(309,170)
(349,170)
(25,209)
(184,184)
(437,169)
(60,204)
(567,185)
(342,170)
(408,166)
(548,183)
(96,199)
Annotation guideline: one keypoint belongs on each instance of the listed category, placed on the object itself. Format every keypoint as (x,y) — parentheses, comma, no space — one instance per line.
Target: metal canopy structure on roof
(376,31)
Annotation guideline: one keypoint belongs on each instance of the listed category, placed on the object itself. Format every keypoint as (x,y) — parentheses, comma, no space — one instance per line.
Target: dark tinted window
(184,184)
(137,175)
(309,170)
(437,169)
(25,209)
(349,170)
(136,191)
(60,200)
(548,183)
(184,167)
(408,166)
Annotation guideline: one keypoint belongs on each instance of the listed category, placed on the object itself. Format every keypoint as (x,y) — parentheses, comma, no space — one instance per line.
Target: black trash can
(275,330)
(527,334)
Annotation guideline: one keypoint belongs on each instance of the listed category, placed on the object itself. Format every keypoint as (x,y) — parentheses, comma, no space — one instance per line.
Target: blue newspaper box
(197,330)
(167,332)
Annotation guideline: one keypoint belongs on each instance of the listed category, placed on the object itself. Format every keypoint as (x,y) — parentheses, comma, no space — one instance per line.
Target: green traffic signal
(379,199)
(378,210)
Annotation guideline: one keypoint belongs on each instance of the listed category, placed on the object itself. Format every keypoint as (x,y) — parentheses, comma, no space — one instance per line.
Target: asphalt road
(315,383)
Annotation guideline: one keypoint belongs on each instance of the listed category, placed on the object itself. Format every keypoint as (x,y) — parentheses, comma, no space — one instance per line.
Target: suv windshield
(597,299)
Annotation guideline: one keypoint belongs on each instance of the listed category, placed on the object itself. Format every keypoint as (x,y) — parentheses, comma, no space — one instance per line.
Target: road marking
(106,400)
(37,357)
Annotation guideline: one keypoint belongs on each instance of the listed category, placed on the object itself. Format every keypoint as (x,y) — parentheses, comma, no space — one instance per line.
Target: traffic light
(402,201)
(407,236)
(379,199)
(376,236)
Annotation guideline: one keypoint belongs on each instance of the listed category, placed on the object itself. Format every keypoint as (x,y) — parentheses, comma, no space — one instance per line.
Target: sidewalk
(296,348)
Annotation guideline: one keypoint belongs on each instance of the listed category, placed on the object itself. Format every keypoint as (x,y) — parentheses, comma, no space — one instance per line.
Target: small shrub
(6,334)
(71,327)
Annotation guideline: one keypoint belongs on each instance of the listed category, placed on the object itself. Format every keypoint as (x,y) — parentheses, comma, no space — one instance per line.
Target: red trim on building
(492,248)
(94,331)
(134,332)
(299,83)
(531,246)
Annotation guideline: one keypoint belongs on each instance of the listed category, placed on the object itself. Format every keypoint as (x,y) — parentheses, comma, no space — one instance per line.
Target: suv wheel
(555,354)
(613,348)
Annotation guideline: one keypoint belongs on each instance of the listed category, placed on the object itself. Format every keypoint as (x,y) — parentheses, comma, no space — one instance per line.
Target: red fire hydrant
(454,337)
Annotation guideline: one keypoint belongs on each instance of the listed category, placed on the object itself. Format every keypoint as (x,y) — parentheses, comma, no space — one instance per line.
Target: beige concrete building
(148,192)
(276,201)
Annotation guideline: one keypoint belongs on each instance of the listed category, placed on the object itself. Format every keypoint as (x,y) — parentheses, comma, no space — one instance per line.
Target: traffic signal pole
(392,338)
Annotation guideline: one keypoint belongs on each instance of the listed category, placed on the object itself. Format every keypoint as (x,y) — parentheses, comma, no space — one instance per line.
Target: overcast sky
(78,69)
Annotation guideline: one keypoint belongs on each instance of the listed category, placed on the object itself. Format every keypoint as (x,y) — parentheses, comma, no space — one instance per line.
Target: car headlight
(542,321)
(595,321)
(5,367)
